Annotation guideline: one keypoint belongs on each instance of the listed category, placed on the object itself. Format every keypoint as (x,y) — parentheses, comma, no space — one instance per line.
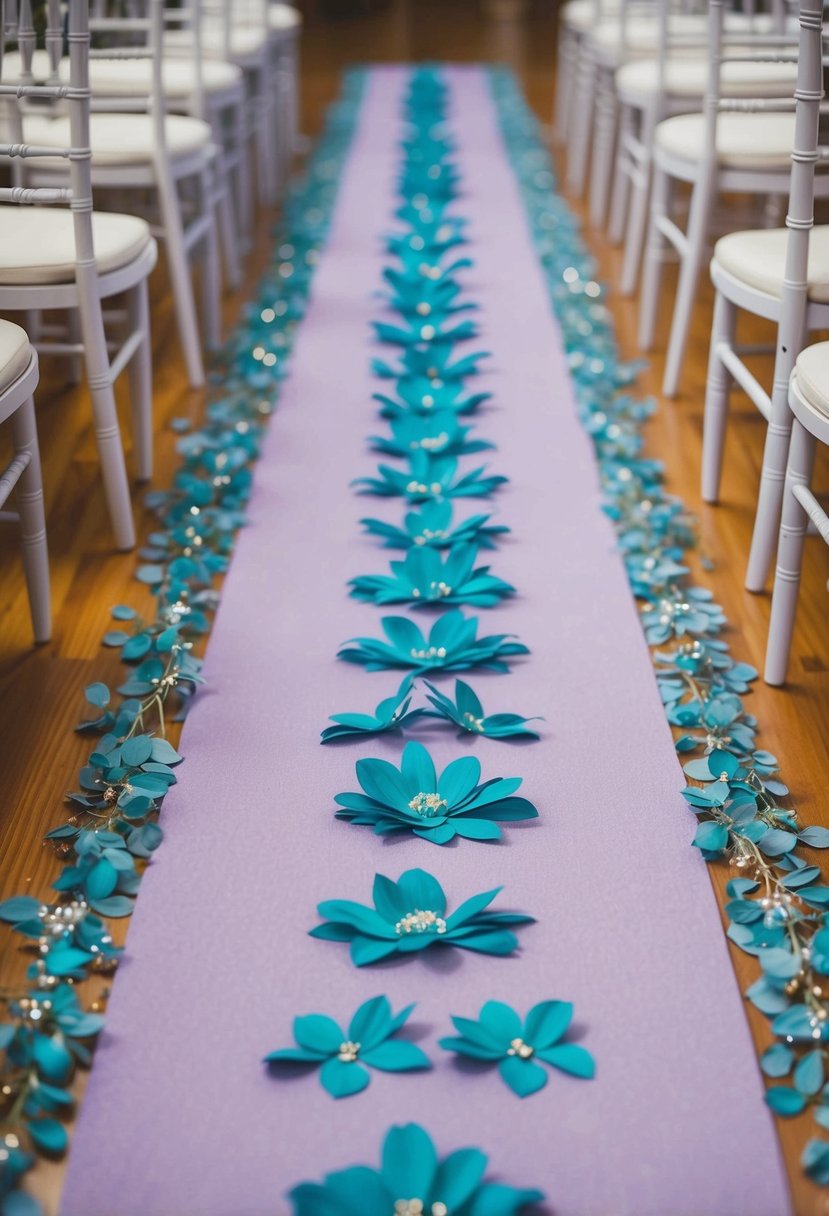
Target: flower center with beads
(427,805)
(473,723)
(420,922)
(434,652)
(415,1207)
(521,1049)
(348,1052)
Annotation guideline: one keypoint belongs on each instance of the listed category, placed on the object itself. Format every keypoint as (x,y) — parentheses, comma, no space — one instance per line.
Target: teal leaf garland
(413,1181)
(344,1059)
(413,798)
(501,1036)
(410,915)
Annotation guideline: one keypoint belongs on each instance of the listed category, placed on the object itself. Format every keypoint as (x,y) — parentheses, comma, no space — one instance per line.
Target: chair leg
(141,381)
(620,189)
(244,173)
(33,522)
(772,483)
(654,258)
(789,557)
(604,144)
(105,415)
(690,269)
(265,142)
(180,281)
(73,326)
(717,398)
(227,225)
(567,56)
(211,267)
(578,143)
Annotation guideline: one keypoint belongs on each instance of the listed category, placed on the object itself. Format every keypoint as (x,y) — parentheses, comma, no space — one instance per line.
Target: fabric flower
(467,713)
(429,477)
(420,289)
(422,331)
(427,579)
(413,798)
(420,395)
(438,434)
(410,915)
(431,525)
(344,1059)
(392,714)
(434,364)
(452,645)
(412,1181)
(500,1035)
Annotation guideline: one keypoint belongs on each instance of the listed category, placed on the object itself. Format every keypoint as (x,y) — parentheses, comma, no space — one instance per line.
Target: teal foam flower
(435,364)
(424,332)
(414,799)
(420,395)
(410,915)
(427,579)
(430,477)
(431,525)
(467,713)
(452,645)
(344,1059)
(422,289)
(392,714)
(437,434)
(413,1181)
(501,1036)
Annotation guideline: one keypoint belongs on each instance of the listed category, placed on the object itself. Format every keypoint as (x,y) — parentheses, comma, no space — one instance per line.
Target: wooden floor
(41,689)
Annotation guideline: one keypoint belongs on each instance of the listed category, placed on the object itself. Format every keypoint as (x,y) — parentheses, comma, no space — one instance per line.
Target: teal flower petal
(496,1199)
(458,1177)
(343,1079)
(295,1055)
(465,1047)
(524,1077)
(366,950)
(476,829)
(458,779)
(388,900)
(483,1035)
(316,1032)
(570,1057)
(418,770)
(471,907)
(383,782)
(419,889)
(315,1199)
(547,1022)
(360,1190)
(396,1056)
(441,833)
(371,1023)
(502,1023)
(409,1161)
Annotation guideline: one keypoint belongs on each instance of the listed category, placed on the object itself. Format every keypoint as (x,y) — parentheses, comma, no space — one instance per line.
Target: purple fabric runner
(181,1118)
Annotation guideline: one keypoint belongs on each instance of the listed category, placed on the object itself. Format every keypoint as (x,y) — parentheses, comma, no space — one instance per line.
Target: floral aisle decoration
(432,525)
(413,1181)
(452,645)
(410,915)
(425,578)
(344,1059)
(501,1036)
(778,900)
(101,851)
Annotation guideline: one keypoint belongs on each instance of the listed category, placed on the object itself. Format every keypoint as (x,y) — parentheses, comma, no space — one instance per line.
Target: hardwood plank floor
(41,689)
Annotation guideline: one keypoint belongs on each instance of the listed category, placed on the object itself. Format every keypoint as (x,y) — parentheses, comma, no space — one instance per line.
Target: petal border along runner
(777,901)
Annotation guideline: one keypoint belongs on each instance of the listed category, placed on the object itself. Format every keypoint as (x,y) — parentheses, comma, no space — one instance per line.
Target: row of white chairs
(174,111)
(659,94)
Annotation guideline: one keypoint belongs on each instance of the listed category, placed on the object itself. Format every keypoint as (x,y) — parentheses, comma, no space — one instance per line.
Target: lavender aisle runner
(181,1118)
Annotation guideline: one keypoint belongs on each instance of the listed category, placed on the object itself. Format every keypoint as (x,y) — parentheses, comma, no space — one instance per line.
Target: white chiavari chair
(737,145)
(809,402)
(71,258)
(284,30)
(575,20)
(781,274)
(18,381)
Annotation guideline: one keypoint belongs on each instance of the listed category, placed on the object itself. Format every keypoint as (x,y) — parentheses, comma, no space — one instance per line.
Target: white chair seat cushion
(38,245)
(812,375)
(688,77)
(133,77)
(119,139)
(286,17)
(744,141)
(245,40)
(642,33)
(758,257)
(578,14)
(15,353)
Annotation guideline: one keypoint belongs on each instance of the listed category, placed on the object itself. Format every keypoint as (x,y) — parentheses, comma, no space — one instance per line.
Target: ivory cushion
(744,141)
(133,77)
(758,258)
(688,77)
(38,244)
(15,353)
(119,139)
(286,17)
(812,375)
(244,40)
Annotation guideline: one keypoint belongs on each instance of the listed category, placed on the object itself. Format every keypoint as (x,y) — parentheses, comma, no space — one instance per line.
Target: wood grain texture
(41,690)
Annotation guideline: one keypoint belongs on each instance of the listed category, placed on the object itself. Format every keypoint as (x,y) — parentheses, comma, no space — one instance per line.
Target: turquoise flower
(437,434)
(420,395)
(431,525)
(344,1059)
(410,915)
(425,290)
(433,364)
(412,1181)
(501,1036)
(429,477)
(427,579)
(452,645)
(413,798)
(392,714)
(467,713)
